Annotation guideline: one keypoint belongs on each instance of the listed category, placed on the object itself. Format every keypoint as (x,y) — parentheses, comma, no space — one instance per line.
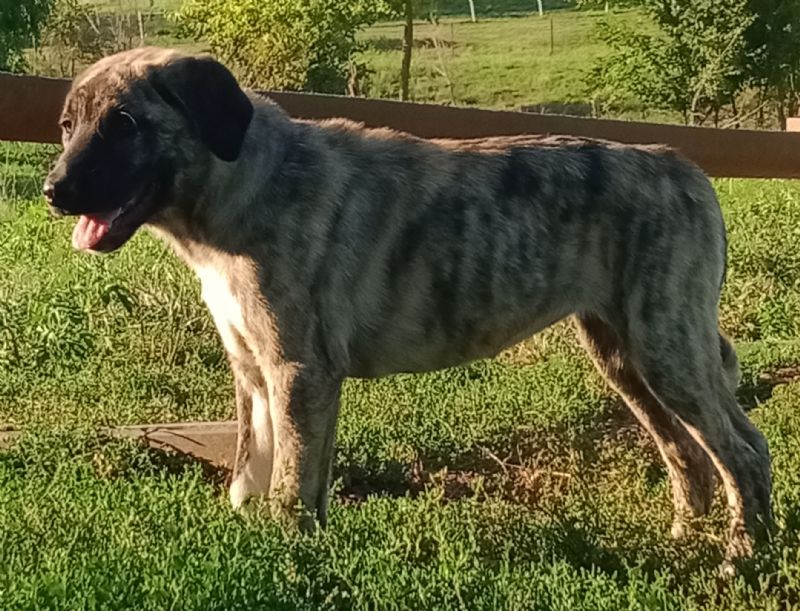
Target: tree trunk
(781,101)
(472,10)
(737,119)
(541,8)
(408,45)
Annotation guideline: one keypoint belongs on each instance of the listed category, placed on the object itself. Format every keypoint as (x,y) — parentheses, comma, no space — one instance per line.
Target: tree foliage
(20,25)
(703,58)
(690,65)
(283,44)
(76,34)
(772,61)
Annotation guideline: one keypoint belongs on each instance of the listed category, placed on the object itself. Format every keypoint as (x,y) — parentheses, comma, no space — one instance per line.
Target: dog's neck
(206,225)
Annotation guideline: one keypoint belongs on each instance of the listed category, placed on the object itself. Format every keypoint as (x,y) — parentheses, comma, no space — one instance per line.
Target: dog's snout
(49,192)
(58,196)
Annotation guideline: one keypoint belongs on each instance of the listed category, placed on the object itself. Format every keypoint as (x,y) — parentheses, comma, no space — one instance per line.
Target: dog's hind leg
(680,357)
(691,472)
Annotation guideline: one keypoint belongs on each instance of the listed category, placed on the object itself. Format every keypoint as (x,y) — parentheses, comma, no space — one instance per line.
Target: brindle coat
(328,250)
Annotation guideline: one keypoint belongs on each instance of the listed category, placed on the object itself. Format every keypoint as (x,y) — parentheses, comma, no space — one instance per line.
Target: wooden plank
(29,108)
(212,442)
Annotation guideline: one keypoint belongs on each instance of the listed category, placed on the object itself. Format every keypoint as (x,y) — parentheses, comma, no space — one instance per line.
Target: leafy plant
(772,61)
(692,65)
(76,34)
(20,25)
(283,44)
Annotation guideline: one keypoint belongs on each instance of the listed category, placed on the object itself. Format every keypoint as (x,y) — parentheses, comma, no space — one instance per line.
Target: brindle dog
(328,250)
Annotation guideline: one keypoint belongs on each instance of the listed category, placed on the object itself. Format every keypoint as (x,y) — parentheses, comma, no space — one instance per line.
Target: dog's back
(419,255)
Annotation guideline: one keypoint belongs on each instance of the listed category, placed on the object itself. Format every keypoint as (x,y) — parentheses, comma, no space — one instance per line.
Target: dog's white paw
(242,490)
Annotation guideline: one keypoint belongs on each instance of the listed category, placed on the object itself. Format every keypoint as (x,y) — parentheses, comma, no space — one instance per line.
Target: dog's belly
(411,348)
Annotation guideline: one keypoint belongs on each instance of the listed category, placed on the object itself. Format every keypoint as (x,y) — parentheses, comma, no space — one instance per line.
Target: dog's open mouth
(107,231)
(91,229)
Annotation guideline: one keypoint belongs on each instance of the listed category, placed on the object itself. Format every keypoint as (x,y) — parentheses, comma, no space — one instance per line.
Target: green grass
(514,483)
(495,63)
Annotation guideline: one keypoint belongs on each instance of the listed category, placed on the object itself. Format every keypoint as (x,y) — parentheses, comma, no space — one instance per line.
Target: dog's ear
(208,95)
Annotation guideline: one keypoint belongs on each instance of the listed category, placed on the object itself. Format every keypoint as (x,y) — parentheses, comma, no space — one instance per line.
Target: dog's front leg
(255,446)
(304,405)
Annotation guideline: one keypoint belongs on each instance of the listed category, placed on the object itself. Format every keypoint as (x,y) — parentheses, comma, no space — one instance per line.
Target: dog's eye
(66,126)
(119,123)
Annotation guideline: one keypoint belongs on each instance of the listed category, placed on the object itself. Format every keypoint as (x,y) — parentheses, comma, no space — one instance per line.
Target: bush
(692,65)
(76,34)
(20,24)
(283,44)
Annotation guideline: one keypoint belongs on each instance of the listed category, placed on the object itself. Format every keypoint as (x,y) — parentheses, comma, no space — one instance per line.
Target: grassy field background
(516,483)
(502,61)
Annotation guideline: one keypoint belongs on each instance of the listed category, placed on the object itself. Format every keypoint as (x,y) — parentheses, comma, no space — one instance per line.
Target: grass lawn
(514,483)
(502,62)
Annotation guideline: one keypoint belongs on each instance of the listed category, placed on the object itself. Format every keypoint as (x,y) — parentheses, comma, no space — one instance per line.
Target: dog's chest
(225,307)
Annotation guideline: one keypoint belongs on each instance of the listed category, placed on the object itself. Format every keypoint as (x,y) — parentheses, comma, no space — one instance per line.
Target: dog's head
(134,126)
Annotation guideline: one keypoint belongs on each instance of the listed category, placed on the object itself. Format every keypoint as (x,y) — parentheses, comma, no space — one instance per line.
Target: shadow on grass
(753,392)
(573,109)
(173,463)
(528,466)
(386,44)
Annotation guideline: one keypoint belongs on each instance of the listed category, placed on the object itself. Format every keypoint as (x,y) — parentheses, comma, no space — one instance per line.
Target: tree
(772,56)
(75,35)
(20,24)
(283,44)
(408,45)
(692,65)
(408,9)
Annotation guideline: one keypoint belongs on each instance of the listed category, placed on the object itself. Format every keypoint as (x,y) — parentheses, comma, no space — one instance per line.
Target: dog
(327,250)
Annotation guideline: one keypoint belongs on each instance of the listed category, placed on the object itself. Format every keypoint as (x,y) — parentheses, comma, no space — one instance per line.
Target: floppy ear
(208,95)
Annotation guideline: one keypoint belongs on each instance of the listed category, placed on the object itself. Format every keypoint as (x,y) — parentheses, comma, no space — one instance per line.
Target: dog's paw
(241,492)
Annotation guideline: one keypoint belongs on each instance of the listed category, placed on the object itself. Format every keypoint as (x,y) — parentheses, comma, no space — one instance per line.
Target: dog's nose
(54,196)
(49,192)
(58,191)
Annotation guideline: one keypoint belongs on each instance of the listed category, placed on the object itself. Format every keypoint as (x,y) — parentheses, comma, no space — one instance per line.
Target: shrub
(283,44)
(20,24)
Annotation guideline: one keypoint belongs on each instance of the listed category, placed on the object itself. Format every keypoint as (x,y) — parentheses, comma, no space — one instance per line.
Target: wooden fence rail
(29,108)
(211,442)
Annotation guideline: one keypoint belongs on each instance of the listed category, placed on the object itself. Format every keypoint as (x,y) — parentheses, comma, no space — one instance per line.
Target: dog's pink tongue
(89,230)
